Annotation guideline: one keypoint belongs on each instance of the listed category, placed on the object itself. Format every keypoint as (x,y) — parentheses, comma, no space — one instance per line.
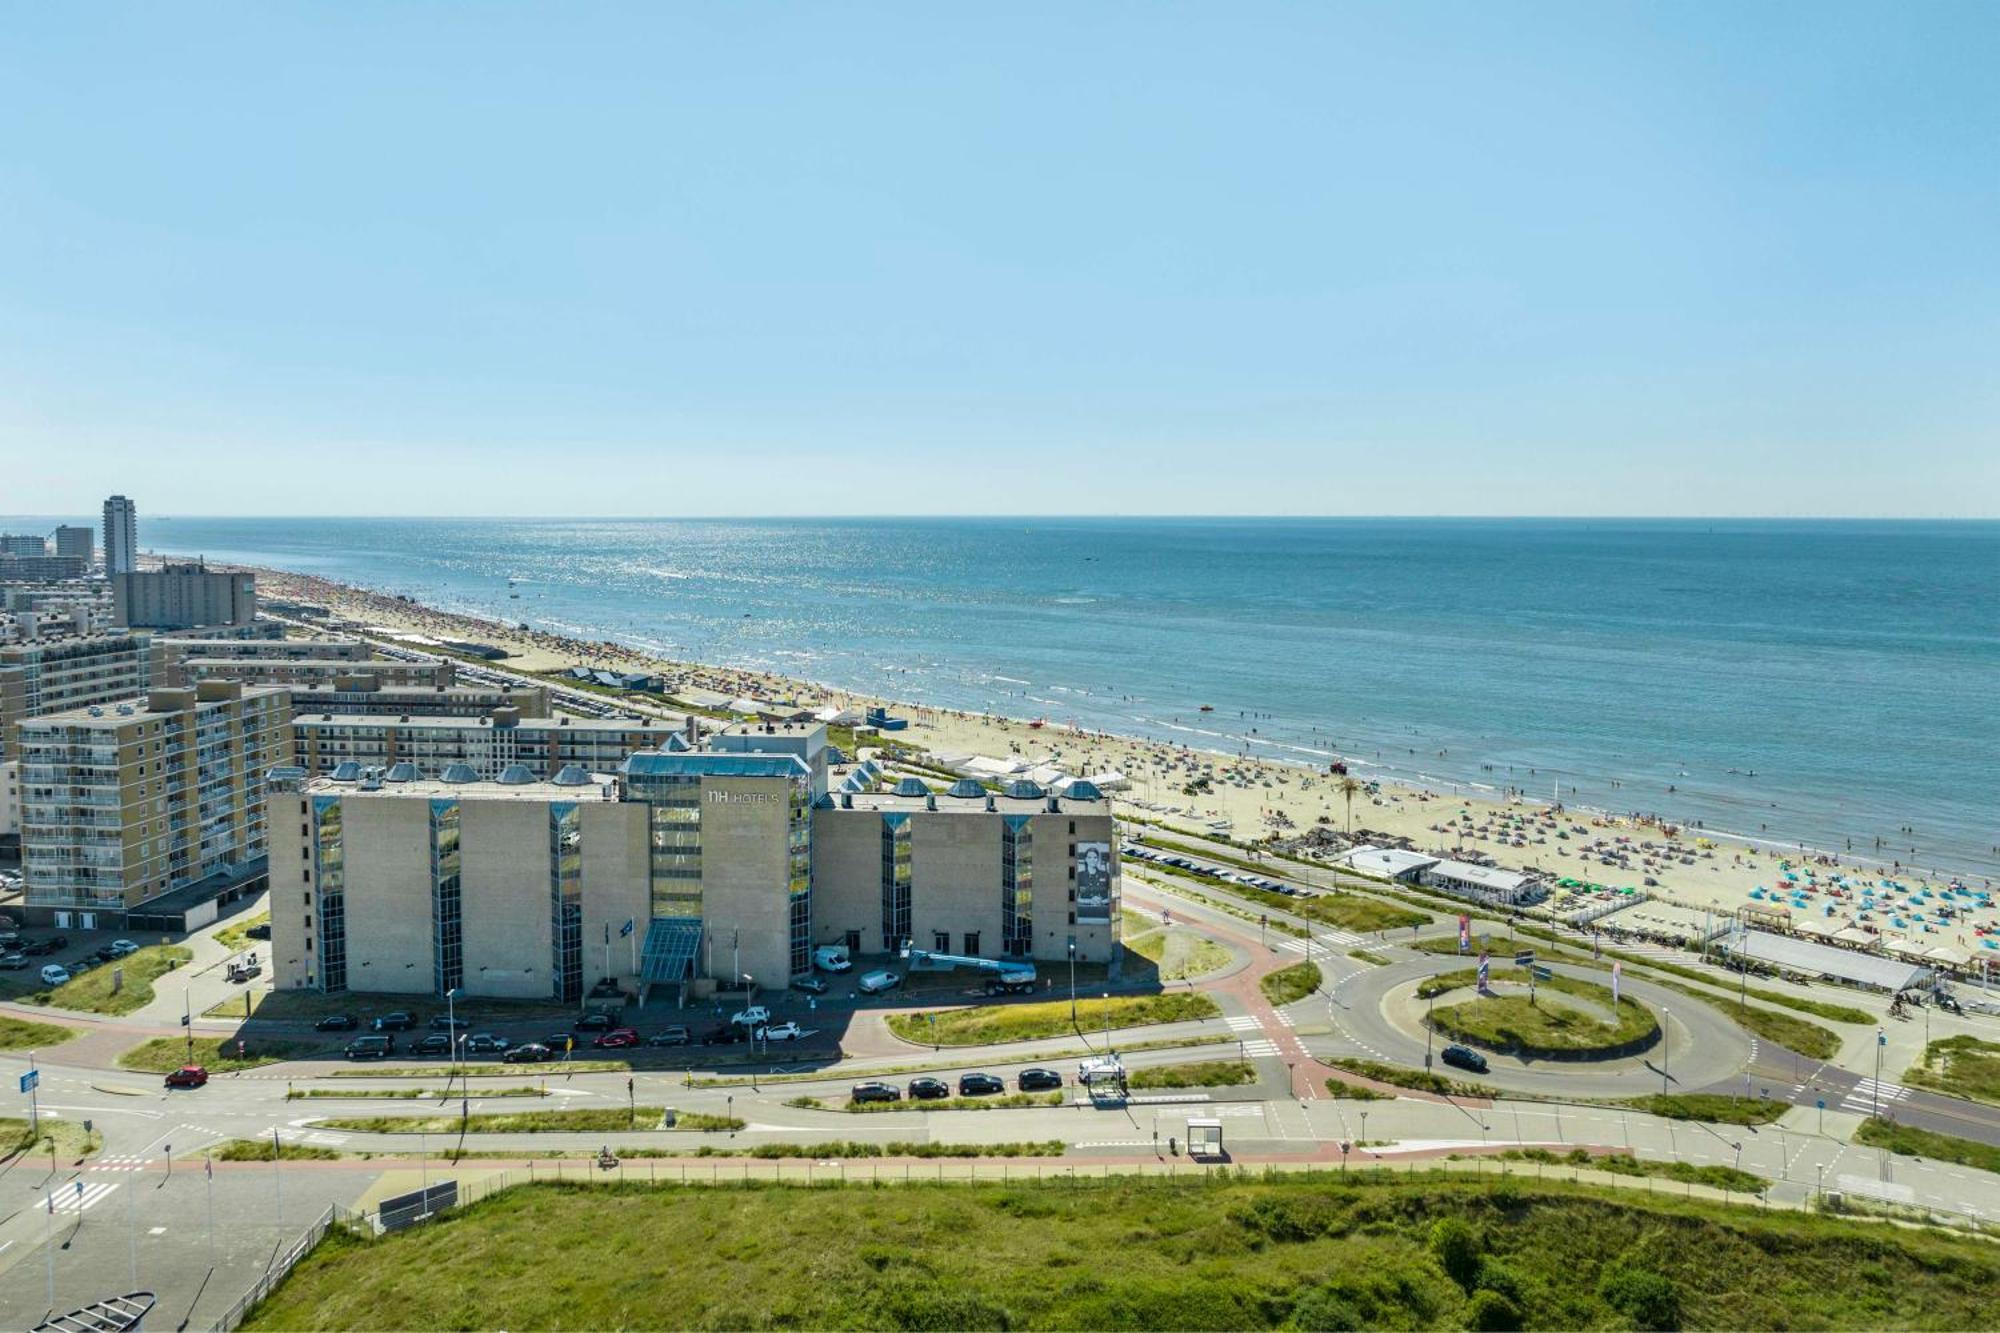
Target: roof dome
(1084,791)
(347,771)
(912,787)
(403,772)
(1024,790)
(965,787)
(459,773)
(517,775)
(676,741)
(572,775)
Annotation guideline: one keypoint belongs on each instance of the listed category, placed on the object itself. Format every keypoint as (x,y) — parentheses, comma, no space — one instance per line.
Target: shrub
(1456,1246)
(1492,1311)
(1327,1311)
(1649,1299)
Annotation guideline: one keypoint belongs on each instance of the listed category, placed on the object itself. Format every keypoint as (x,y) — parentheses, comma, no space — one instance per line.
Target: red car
(620,1037)
(187,1076)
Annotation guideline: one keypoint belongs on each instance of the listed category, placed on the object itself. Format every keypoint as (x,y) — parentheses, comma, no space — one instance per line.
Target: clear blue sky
(1323,258)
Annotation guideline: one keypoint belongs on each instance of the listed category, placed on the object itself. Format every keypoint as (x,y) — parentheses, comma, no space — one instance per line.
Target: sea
(1827,683)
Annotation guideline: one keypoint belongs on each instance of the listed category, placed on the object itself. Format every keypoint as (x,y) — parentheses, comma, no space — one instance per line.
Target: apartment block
(317,674)
(487,745)
(50,675)
(74,542)
(183,596)
(121,536)
(362,691)
(146,815)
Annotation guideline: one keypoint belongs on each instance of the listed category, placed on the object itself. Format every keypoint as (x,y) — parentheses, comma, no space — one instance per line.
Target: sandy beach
(1195,789)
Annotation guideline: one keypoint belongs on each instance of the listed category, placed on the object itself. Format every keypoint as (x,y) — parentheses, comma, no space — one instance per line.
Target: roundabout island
(1554,1018)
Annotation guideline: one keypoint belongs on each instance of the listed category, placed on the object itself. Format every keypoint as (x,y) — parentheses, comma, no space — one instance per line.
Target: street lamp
(451,1021)
(1666,1048)
(1072,981)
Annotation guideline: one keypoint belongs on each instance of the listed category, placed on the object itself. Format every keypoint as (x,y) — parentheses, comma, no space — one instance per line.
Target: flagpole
(49,1244)
(132,1233)
(278,1183)
(208,1169)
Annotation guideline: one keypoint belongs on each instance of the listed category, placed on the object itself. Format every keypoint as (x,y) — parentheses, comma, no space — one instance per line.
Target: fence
(333,1216)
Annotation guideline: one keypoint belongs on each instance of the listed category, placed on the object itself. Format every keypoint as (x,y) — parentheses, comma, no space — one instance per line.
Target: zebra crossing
(1260,1046)
(82,1196)
(1323,942)
(1866,1095)
(1285,1018)
(1242,1023)
(121,1162)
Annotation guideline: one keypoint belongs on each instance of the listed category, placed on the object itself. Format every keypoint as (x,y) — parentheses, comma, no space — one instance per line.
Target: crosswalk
(1285,1018)
(70,1200)
(123,1162)
(1260,1046)
(1322,942)
(1868,1094)
(1242,1023)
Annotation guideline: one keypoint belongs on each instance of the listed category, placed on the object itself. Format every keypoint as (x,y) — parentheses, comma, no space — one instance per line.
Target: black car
(260,931)
(874,1092)
(726,1035)
(43,947)
(1464,1057)
(597,1021)
(370,1048)
(810,985)
(979,1085)
(437,1043)
(1033,1080)
(336,1023)
(445,1022)
(674,1036)
(396,1022)
(928,1089)
(529,1053)
(559,1041)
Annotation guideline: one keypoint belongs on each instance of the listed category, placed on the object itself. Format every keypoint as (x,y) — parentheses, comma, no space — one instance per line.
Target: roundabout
(1565,1043)
(1558,1018)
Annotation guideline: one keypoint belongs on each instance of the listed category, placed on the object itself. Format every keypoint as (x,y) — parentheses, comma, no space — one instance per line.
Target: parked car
(787,1031)
(673,1036)
(874,1092)
(396,1022)
(14,962)
(447,1022)
(55,974)
(187,1076)
(121,948)
(596,1021)
(726,1035)
(755,1016)
(876,982)
(559,1042)
(370,1047)
(928,1089)
(529,1053)
(485,1043)
(45,946)
(810,986)
(260,931)
(1464,1057)
(336,1023)
(435,1043)
(1034,1080)
(618,1037)
(979,1085)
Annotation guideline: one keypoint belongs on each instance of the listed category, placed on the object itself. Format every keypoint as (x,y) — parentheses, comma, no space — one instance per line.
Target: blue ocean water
(1800,681)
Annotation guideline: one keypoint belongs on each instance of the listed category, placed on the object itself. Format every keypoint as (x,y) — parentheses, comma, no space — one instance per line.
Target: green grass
(1289,984)
(1006,1101)
(69,1138)
(235,936)
(91,993)
(1342,911)
(1624,1164)
(259,1150)
(1713,1108)
(581,1120)
(1959,1067)
(1549,1025)
(1175,952)
(1369,957)
(1196,1074)
(1354,1092)
(1912,1142)
(20,1034)
(1377,1250)
(1420,1080)
(981,1024)
(162,1055)
(1808,1039)
(843,1148)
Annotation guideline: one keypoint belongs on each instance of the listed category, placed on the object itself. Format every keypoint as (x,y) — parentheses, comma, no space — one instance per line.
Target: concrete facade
(183,597)
(51,675)
(489,744)
(121,535)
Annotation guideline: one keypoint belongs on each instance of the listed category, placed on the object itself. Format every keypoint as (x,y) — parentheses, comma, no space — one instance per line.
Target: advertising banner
(1464,933)
(1093,883)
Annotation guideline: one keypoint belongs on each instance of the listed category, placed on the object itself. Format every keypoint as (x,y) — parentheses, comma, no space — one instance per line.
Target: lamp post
(1430,1007)
(1666,1048)
(451,1021)
(1876,1093)
(1072,981)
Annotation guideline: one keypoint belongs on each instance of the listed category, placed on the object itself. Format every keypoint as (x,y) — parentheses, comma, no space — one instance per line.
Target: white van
(832,958)
(55,974)
(877,982)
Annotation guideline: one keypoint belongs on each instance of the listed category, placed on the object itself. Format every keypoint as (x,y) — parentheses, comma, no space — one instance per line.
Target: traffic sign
(1525,958)
(1543,973)
(30,1080)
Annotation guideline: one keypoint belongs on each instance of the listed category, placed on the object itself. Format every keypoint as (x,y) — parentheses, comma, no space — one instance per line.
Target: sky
(1324,258)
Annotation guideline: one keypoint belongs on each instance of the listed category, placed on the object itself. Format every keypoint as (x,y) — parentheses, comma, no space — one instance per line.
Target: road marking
(1261,1046)
(1242,1023)
(94,1193)
(1868,1093)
